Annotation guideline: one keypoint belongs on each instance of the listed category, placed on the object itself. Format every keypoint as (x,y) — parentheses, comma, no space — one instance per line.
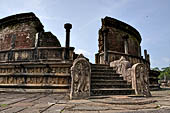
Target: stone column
(139,54)
(145,54)
(148,57)
(67,26)
(126,43)
(105,33)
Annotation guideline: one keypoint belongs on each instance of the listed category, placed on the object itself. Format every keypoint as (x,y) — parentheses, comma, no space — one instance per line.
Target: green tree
(156,69)
(165,72)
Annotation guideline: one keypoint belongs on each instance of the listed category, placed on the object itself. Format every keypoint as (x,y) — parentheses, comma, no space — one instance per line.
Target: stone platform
(60,103)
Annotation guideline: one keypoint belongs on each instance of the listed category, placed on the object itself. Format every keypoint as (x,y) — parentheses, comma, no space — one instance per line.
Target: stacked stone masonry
(32,58)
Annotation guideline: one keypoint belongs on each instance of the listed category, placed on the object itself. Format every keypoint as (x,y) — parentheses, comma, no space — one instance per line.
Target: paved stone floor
(60,103)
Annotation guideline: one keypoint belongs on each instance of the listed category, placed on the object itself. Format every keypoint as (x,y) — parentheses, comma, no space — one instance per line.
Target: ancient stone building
(33,60)
(122,40)
(31,57)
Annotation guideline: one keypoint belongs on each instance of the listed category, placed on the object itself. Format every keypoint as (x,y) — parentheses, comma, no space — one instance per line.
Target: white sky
(150,17)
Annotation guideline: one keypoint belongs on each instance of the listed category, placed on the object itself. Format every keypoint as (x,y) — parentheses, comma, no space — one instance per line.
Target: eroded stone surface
(60,103)
(81,74)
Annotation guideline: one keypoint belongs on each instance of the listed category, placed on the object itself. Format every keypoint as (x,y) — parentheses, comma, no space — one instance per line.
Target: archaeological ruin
(32,60)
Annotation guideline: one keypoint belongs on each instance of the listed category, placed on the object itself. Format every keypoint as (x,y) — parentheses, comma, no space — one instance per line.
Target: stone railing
(35,54)
(113,55)
(136,75)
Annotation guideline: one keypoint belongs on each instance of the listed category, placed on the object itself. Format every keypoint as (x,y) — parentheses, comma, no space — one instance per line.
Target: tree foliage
(164,72)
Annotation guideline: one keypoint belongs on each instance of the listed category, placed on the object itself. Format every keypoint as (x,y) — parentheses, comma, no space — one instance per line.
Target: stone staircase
(105,81)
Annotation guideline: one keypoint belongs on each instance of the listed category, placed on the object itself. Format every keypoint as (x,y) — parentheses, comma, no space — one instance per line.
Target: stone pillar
(148,57)
(139,54)
(105,33)
(13,41)
(67,26)
(145,54)
(126,43)
(10,54)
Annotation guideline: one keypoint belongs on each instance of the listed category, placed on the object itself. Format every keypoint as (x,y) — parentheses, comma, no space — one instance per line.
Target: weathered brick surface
(115,41)
(19,31)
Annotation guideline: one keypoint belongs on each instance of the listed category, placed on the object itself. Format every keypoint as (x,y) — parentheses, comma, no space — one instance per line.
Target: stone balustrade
(35,54)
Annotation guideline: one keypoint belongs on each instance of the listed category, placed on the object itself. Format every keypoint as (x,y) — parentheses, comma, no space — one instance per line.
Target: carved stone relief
(140,79)
(36,75)
(80,73)
(2,80)
(137,75)
(122,66)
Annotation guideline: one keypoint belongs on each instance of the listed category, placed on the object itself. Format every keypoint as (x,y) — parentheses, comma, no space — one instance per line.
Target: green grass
(3,105)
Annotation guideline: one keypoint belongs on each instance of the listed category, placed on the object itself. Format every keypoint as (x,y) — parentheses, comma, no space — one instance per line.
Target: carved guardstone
(81,74)
(140,79)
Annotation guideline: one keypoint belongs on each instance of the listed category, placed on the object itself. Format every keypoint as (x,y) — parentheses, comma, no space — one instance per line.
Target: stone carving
(3,80)
(123,67)
(80,73)
(137,75)
(140,80)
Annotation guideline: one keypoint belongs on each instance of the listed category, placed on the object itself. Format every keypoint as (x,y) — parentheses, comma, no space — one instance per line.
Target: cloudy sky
(150,17)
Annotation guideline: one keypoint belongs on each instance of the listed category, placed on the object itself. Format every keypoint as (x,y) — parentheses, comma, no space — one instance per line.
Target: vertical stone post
(10,54)
(148,57)
(67,26)
(126,43)
(145,53)
(139,54)
(105,33)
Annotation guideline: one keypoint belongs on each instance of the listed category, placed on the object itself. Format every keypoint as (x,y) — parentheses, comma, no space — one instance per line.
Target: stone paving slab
(60,103)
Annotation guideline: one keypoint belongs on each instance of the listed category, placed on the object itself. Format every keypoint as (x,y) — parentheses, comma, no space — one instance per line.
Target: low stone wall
(35,54)
(113,55)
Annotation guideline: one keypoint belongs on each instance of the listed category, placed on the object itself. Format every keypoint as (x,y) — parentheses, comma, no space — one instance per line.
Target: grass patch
(3,105)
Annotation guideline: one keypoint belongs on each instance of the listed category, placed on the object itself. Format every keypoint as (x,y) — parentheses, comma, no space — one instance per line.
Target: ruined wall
(115,35)
(23,35)
(30,57)
(19,31)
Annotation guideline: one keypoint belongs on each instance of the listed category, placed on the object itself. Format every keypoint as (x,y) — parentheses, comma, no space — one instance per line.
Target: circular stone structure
(118,32)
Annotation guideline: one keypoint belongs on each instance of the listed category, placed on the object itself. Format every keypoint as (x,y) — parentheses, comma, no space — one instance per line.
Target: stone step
(103,85)
(105,81)
(154,87)
(98,81)
(106,77)
(112,91)
(103,70)
(105,73)
(100,66)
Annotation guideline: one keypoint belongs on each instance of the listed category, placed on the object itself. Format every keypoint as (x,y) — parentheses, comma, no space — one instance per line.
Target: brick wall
(115,41)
